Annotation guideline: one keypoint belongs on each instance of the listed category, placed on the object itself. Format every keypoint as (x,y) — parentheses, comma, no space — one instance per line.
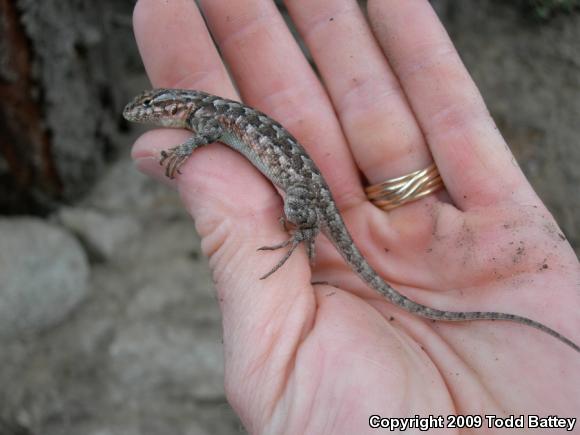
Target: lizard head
(161,107)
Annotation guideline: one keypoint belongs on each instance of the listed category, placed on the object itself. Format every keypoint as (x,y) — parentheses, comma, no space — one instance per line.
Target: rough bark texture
(63,81)
(26,170)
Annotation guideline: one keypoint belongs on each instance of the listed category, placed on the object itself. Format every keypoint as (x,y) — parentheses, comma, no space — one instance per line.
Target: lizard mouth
(130,112)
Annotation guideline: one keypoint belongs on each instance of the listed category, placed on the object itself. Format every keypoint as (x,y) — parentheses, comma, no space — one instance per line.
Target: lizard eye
(147,101)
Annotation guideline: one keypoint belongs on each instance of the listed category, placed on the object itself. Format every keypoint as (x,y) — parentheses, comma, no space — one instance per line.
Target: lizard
(308,201)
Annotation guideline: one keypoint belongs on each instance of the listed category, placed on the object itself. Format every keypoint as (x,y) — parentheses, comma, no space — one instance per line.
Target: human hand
(322,359)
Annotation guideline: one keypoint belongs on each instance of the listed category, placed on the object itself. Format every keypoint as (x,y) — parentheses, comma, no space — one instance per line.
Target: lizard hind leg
(300,235)
(286,256)
(300,212)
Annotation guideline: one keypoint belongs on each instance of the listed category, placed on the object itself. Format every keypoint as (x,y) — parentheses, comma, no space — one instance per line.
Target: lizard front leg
(206,131)
(298,210)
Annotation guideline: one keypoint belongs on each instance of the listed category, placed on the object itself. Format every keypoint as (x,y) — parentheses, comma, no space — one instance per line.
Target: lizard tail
(345,245)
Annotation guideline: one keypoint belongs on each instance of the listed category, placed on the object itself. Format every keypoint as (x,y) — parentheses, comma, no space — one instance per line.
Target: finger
(177,52)
(381,128)
(176,48)
(474,161)
(272,75)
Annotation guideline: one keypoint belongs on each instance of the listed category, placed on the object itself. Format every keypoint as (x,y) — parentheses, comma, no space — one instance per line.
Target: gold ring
(395,192)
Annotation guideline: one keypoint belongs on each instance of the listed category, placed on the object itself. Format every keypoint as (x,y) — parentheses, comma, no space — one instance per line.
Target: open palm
(323,358)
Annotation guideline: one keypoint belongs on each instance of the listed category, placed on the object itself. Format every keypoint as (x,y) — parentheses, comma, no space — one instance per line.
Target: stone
(43,276)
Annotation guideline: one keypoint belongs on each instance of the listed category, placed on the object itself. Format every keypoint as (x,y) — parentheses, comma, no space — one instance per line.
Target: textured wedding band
(395,192)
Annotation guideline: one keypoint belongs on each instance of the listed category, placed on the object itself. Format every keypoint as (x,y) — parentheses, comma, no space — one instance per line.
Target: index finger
(176,48)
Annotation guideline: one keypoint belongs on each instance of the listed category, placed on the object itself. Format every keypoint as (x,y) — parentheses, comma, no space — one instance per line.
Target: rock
(44,276)
(148,357)
(101,233)
(169,341)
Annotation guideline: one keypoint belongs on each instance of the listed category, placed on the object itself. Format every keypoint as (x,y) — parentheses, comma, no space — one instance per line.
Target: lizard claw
(174,161)
(274,247)
(286,256)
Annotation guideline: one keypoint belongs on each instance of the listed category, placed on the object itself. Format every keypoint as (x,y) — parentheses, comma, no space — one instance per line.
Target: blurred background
(108,320)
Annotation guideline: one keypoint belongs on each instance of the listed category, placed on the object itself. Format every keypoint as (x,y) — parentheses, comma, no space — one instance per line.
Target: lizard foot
(303,235)
(295,242)
(175,157)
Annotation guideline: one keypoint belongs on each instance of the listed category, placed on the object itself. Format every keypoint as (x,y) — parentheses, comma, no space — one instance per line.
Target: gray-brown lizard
(308,202)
